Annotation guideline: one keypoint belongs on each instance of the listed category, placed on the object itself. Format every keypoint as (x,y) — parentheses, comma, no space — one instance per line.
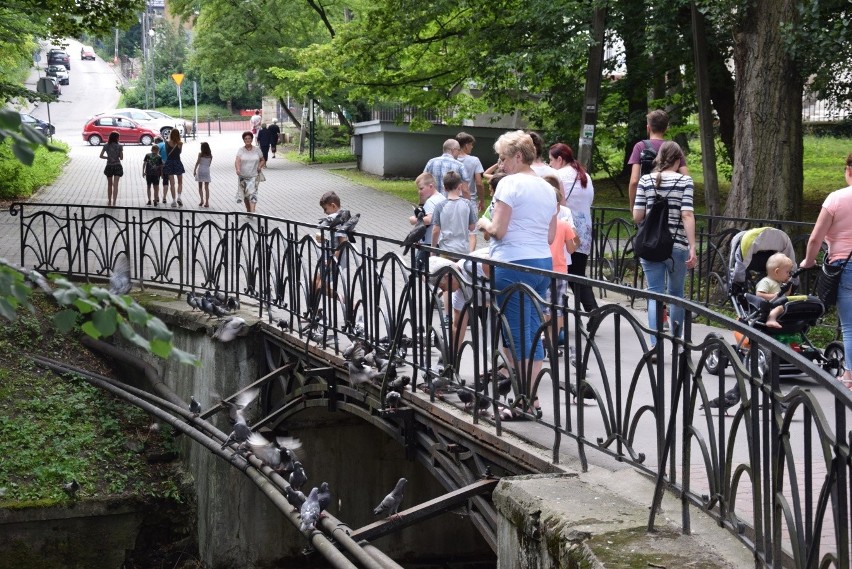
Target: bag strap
(648,145)
(572,187)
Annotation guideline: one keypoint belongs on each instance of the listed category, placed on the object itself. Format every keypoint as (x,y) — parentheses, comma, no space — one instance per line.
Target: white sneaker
(174,203)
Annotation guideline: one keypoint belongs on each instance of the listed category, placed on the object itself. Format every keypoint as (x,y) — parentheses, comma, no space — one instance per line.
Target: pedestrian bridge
(775,469)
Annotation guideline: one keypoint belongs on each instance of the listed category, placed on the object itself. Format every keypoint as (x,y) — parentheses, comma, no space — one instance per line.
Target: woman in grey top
(248,165)
(113,152)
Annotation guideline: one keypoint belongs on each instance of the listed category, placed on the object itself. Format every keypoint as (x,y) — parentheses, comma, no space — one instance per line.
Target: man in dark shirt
(263,140)
(275,134)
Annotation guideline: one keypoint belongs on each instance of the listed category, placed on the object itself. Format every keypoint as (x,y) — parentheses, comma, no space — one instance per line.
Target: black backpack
(654,240)
(646,158)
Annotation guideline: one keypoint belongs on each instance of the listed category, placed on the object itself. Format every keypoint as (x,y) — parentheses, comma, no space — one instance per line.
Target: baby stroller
(747,265)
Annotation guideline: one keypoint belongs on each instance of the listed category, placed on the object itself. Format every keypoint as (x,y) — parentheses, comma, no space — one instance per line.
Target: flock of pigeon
(341,221)
(219,305)
(283,456)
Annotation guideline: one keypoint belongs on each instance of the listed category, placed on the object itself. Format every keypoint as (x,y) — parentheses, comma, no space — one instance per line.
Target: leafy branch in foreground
(95,310)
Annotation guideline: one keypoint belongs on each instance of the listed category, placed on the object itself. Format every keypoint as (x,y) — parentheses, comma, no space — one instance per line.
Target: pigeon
(728,400)
(241,401)
(71,488)
(359,373)
(193,301)
(277,455)
(207,307)
(336,219)
(241,432)
(324,497)
(283,324)
(399,383)
(483,402)
(466,397)
(298,476)
(229,328)
(119,281)
(587,393)
(415,235)
(310,511)
(194,406)
(232,304)
(349,226)
(391,503)
(392,399)
(220,298)
(294,497)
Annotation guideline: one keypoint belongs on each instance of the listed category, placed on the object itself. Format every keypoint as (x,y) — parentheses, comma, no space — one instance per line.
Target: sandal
(149,202)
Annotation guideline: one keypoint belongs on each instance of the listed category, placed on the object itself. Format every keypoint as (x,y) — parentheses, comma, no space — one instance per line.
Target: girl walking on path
(202,174)
(174,167)
(114,154)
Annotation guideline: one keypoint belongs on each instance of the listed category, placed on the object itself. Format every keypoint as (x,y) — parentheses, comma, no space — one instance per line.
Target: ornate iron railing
(776,472)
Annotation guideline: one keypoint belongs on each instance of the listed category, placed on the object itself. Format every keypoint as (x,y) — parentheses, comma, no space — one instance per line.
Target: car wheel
(165,131)
(713,362)
(146,140)
(94,139)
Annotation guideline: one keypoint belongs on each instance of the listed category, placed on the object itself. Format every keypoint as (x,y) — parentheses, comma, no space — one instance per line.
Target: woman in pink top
(834,226)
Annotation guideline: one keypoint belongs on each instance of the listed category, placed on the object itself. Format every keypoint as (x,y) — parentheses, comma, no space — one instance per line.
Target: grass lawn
(824,161)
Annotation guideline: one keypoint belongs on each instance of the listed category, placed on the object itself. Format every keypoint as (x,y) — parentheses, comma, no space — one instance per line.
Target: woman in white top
(579,195)
(521,228)
(248,164)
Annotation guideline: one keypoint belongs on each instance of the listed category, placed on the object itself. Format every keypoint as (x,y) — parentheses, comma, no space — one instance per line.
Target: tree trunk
(767,178)
(637,80)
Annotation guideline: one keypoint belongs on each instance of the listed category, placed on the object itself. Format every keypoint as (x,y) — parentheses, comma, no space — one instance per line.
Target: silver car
(154,120)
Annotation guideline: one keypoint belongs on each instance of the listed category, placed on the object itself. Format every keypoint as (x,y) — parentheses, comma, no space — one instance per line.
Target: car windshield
(158,115)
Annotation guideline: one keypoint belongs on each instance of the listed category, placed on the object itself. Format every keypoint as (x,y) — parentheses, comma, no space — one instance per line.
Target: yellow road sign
(178,77)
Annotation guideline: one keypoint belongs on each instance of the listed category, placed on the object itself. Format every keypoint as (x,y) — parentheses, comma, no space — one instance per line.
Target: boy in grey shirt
(453,219)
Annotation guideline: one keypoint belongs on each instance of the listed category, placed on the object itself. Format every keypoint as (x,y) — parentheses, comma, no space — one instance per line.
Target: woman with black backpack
(665,257)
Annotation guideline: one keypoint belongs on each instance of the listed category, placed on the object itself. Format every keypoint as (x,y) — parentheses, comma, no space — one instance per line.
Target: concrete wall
(392,150)
(85,534)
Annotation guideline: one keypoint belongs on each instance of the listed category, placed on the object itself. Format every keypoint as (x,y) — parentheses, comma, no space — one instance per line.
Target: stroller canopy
(750,250)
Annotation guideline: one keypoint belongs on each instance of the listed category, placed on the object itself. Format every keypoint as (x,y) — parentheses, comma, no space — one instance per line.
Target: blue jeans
(666,277)
(844,311)
(522,333)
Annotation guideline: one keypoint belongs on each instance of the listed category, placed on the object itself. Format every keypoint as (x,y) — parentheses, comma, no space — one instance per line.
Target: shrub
(20,181)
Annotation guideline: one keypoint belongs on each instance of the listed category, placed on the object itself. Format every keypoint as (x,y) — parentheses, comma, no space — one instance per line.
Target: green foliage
(323,156)
(98,312)
(53,429)
(19,180)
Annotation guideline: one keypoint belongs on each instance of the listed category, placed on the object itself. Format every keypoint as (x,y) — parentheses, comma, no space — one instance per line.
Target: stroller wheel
(762,362)
(713,363)
(835,359)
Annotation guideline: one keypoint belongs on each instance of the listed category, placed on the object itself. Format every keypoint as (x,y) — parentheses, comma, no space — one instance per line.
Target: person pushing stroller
(776,283)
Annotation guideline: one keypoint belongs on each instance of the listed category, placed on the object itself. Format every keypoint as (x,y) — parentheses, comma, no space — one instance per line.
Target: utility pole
(593,87)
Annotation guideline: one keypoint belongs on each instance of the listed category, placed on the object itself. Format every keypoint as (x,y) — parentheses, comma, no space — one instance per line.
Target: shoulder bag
(828,280)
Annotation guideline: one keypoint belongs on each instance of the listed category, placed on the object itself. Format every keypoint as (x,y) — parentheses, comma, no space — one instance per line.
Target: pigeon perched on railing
(298,476)
(294,497)
(193,301)
(415,235)
(349,226)
(324,497)
(335,219)
(392,399)
(310,511)
(392,501)
(194,406)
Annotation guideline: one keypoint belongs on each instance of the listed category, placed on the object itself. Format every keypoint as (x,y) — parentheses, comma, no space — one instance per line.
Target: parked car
(54,85)
(182,125)
(154,120)
(59,57)
(45,127)
(60,73)
(87,52)
(98,129)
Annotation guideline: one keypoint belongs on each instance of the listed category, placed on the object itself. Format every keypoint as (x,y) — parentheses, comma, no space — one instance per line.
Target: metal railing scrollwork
(773,466)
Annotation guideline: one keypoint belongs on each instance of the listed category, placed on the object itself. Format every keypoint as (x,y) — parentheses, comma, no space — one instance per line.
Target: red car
(98,129)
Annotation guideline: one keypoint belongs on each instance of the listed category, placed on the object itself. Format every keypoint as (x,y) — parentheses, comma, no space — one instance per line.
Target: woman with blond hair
(521,228)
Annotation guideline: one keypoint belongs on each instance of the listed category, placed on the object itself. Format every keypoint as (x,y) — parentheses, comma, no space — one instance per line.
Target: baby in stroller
(772,287)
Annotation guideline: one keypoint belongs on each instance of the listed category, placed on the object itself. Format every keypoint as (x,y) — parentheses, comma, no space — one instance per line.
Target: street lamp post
(151,35)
